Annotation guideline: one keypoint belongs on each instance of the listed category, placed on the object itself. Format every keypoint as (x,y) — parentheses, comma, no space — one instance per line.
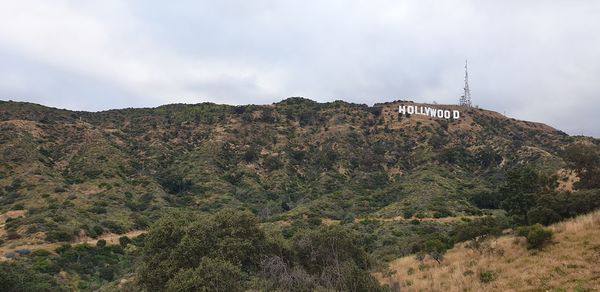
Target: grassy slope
(570,262)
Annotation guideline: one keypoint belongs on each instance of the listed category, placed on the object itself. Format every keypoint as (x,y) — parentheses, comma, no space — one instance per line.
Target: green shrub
(124,241)
(18,277)
(487,276)
(522,231)
(538,236)
(442,213)
(59,235)
(108,272)
(408,213)
(101,243)
(113,226)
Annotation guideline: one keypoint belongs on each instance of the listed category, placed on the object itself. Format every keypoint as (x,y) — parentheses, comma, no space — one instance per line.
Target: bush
(175,184)
(538,236)
(522,231)
(487,276)
(113,226)
(59,235)
(108,272)
(542,215)
(442,213)
(408,213)
(96,231)
(124,241)
(479,227)
(17,277)
(12,234)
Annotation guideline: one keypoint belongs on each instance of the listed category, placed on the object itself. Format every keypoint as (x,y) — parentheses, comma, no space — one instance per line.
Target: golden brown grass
(570,262)
(566,180)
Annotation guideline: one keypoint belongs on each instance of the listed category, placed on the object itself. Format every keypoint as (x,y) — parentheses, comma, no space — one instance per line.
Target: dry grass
(566,180)
(37,243)
(570,262)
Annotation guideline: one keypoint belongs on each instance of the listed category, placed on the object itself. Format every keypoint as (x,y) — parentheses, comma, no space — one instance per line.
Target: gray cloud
(534,60)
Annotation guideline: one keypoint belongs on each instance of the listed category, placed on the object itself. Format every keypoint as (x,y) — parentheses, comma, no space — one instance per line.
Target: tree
(210,275)
(481,226)
(542,215)
(585,160)
(486,200)
(435,249)
(334,254)
(181,242)
(519,192)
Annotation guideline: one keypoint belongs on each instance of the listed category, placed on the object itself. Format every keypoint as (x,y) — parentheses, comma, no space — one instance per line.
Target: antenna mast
(465,99)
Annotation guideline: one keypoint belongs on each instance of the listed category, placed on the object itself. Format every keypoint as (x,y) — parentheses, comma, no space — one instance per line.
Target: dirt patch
(438,220)
(328,222)
(110,238)
(88,190)
(566,180)
(12,214)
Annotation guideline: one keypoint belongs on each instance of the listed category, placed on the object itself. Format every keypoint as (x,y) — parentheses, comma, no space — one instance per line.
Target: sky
(531,60)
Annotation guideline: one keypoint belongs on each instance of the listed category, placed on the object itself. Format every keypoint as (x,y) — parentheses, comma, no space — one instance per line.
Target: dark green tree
(181,242)
(210,275)
(585,160)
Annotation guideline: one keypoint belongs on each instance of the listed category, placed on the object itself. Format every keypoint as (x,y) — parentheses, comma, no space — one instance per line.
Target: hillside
(569,263)
(292,159)
(298,166)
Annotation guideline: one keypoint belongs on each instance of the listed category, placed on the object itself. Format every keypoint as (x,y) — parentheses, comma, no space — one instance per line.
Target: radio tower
(465,99)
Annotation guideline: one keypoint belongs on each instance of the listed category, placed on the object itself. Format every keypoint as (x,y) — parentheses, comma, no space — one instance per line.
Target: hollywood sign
(429,111)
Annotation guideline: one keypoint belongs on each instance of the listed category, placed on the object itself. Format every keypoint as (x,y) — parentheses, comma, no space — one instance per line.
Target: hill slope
(570,263)
(114,171)
(396,182)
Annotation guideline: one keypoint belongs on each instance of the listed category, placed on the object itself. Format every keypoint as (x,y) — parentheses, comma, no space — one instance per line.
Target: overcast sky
(533,60)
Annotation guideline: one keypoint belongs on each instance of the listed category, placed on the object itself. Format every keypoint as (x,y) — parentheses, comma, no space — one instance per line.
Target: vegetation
(228,251)
(505,263)
(293,196)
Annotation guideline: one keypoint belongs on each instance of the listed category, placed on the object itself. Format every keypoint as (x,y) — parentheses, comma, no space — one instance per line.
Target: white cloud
(532,59)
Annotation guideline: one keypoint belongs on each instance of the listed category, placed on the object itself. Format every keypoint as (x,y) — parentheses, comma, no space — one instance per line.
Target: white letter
(455,114)
(446,114)
(440,113)
(411,109)
(432,112)
(402,109)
